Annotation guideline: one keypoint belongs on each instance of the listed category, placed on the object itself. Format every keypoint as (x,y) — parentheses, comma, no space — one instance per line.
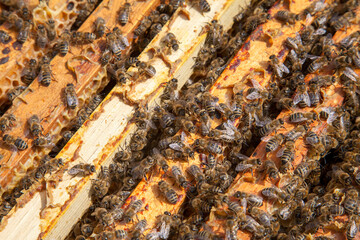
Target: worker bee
(196,172)
(286,154)
(113,44)
(142,168)
(263,217)
(15,92)
(100,27)
(7,121)
(124,14)
(24,32)
(286,211)
(70,96)
(341,176)
(269,127)
(211,146)
(154,30)
(302,96)
(287,17)
(314,8)
(278,68)
(43,141)
(103,216)
(317,64)
(273,142)
(82,169)
(271,170)
(15,21)
(179,176)
(64,42)
(248,164)
(170,42)
(34,125)
(352,228)
(99,188)
(351,201)
(253,22)
(41,39)
(17,143)
(29,73)
(169,193)
(50,29)
(302,116)
(145,24)
(132,210)
(45,72)
(139,229)
(203,5)
(146,69)
(4,37)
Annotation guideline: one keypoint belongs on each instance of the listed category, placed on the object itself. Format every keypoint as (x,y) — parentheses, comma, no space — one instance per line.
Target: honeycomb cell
(15,83)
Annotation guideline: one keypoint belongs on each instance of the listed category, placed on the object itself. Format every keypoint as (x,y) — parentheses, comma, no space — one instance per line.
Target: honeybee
(14,20)
(248,164)
(41,39)
(273,125)
(24,32)
(100,187)
(100,27)
(263,217)
(196,172)
(50,29)
(64,42)
(273,142)
(154,30)
(70,96)
(123,41)
(34,125)
(29,73)
(17,143)
(114,45)
(146,69)
(271,170)
(202,4)
(169,193)
(317,64)
(170,42)
(352,228)
(142,168)
(43,141)
(4,37)
(103,216)
(253,22)
(302,116)
(45,72)
(82,169)
(278,68)
(314,8)
(302,96)
(7,121)
(287,17)
(15,92)
(187,125)
(351,201)
(179,176)
(124,14)
(201,205)
(145,24)
(341,176)
(170,92)
(210,146)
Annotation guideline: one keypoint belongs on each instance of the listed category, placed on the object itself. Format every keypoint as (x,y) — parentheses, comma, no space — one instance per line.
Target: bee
(114,45)
(287,17)
(343,21)
(15,21)
(82,169)
(64,42)
(123,41)
(154,30)
(18,143)
(121,234)
(124,14)
(248,164)
(196,172)
(170,42)
(103,216)
(302,96)
(50,29)
(279,69)
(352,228)
(253,22)
(263,217)
(128,183)
(29,73)
(160,160)
(4,37)
(100,27)
(341,176)
(274,193)
(286,211)
(274,142)
(273,125)
(351,201)
(302,116)
(34,125)
(270,168)
(203,5)
(15,92)
(179,176)
(7,121)
(43,141)
(142,168)
(314,8)
(24,32)
(70,96)
(45,72)
(41,39)
(201,205)
(187,125)
(100,187)
(169,193)
(145,24)
(139,229)
(317,64)
(146,69)
(132,210)
(210,146)
(231,228)
(354,53)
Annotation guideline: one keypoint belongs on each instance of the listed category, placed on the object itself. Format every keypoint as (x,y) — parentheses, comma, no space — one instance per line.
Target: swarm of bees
(312,194)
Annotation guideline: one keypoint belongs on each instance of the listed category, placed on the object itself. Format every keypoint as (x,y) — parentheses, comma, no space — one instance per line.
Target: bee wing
(155,151)
(253,96)
(241,156)
(75,170)
(242,167)
(266,138)
(256,84)
(154,236)
(299,120)
(72,101)
(261,123)
(280,152)
(151,124)
(310,140)
(226,137)
(351,74)
(220,109)
(176,146)
(125,41)
(164,230)
(244,204)
(230,128)
(283,68)
(320,31)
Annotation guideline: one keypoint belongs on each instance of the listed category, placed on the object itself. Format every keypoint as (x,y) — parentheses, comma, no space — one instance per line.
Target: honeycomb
(11,71)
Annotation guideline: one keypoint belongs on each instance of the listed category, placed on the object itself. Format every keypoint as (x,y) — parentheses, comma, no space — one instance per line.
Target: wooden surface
(47,102)
(91,145)
(254,184)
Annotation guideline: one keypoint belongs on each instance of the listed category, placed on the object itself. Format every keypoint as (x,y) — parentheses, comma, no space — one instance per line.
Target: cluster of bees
(318,191)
